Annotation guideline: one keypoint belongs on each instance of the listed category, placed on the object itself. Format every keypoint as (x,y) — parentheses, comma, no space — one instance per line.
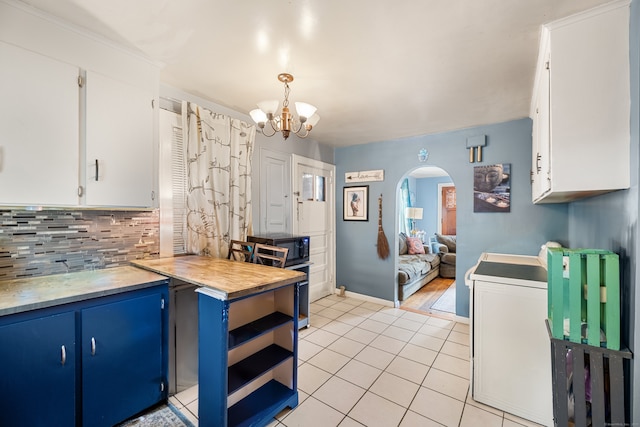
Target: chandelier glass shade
(270,123)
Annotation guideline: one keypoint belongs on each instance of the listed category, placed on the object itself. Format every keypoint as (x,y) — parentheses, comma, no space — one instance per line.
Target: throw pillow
(402,243)
(448,241)
(415,245)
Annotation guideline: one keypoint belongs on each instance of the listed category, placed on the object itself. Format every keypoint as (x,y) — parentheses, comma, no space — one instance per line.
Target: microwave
(298,245)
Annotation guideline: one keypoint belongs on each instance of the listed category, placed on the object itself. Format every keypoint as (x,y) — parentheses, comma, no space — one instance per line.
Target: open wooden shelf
(258,327)
(255,365)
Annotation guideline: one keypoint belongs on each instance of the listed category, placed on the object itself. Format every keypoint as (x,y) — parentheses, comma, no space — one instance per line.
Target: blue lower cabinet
(91,363)
(122,371)
(38,372)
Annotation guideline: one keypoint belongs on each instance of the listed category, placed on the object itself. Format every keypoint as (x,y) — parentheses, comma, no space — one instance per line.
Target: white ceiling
(376,69)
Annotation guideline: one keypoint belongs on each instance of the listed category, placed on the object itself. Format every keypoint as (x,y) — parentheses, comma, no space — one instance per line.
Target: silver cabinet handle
(63,358)
(93,346)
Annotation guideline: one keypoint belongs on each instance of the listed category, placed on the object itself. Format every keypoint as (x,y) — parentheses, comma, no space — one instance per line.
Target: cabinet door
(39,149)
(541,181)
(119,143)
(37,372)
(122,359)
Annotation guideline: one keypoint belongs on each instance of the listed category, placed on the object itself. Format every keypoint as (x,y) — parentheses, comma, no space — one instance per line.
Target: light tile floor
(364,364)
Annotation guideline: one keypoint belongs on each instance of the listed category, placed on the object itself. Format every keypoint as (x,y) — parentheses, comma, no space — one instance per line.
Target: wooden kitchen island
(248,337)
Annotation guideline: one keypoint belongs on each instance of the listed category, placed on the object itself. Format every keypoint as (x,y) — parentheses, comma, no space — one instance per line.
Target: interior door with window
(313,214)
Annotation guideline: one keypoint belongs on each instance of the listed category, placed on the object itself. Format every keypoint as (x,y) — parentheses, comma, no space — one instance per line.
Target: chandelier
(285,122)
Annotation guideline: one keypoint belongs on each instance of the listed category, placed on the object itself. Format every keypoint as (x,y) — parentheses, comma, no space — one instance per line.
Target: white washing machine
(511,351)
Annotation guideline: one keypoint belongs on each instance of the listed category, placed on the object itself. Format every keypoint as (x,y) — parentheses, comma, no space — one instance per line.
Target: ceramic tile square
(175,402)
(313,413)
(475,417)
(416,317)
(322,337)
(461,327)
(302,333)
(307,349)
(373,326)
(446,383)
(375,357)
(317,321)
(342,306)
(337,327)
(438,407)
(389,344)
(408,369)
(319,305)
(346,346)
(382,317)
(325,302)
(187,396)
(441,323)
(427,341)
(409,324)
(395,389)
(459,337)
(354,302)
(350,422)
(329,360)
(330,313)
(361,335)
(361,311)
(418,354)
(456,350)
(375,411)
(193,408)
(391,311)
(434,331)
(453,365)
(351,319)
(310,378)
(398,333)
(412,419)
(339,394)
(358,373)
(372,306)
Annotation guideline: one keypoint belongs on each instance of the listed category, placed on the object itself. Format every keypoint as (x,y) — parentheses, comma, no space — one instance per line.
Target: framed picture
(492,188)
(356,203)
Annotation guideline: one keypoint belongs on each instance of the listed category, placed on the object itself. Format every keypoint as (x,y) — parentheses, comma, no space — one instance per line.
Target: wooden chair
(270,255)
(241,251)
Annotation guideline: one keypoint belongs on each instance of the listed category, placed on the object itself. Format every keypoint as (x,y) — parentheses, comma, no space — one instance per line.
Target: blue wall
(611,221)
(427,199)
(522,231)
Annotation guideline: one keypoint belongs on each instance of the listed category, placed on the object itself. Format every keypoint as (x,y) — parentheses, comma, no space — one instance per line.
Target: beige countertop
(224,279)
(18,295)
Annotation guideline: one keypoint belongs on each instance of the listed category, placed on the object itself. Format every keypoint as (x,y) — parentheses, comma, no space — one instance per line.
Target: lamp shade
(313,120)
(258,115)
(269,107)
(414,213)
(305,110)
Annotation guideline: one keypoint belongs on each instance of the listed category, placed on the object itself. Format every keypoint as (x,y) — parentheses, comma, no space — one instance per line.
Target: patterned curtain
(405,202)
(218,165)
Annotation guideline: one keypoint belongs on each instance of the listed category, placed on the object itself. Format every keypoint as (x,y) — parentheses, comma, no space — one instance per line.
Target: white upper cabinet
(39,145)
(66,142)
(119,143)
(581,106)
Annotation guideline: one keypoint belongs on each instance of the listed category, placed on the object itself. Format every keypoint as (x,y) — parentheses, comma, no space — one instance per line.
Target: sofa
(446,247)
(415,269)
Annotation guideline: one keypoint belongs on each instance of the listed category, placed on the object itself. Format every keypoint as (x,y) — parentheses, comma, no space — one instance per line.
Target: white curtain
(218,167)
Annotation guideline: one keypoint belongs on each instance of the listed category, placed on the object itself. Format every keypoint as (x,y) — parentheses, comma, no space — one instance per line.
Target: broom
(383,243)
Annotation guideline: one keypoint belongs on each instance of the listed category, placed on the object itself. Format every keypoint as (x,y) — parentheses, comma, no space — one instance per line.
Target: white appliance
(511,351)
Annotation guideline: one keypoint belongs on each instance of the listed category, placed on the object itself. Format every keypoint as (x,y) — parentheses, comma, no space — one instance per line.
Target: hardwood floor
(422,300)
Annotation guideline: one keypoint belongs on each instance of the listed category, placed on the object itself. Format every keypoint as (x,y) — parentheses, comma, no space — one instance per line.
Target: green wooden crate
(584,287)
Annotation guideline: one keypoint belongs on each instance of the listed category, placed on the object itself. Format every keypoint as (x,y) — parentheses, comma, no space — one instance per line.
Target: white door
(314,214)
(275,199)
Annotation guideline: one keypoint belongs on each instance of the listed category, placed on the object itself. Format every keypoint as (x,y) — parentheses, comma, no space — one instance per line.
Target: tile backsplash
(36,243)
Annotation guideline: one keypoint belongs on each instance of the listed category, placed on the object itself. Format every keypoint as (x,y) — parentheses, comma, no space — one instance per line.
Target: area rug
(165,415)
(447,301)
